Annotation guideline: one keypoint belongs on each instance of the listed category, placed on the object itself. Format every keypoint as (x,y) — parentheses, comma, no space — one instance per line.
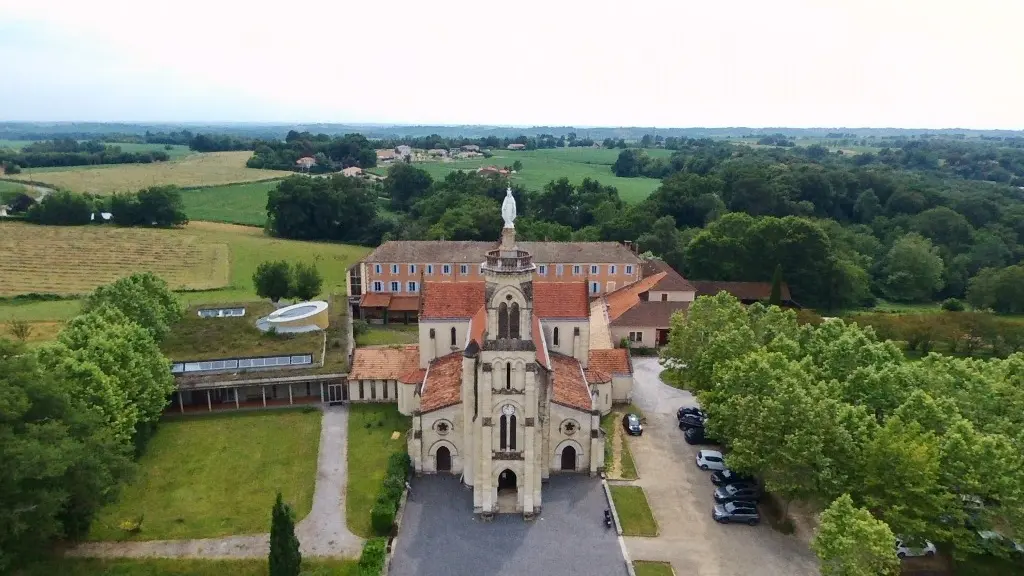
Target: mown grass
(649,568)
(217,475)
(370,443)
(395,334)
(234,204)
(176,567)
(634,511)
(195,338)
(611,423)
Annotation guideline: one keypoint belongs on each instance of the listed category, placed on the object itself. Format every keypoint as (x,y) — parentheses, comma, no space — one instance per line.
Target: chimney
(577,351)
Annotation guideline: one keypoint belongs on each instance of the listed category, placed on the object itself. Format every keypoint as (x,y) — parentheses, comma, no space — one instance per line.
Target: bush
(952,305)
(360,327)
(371,561)
(382,516)
(12,168)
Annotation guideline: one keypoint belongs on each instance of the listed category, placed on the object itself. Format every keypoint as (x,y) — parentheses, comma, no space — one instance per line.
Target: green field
(247,248)
(11,189)
(370,443)
(235,204)
(217,475)
(543,166)
(16,144)
(177,567)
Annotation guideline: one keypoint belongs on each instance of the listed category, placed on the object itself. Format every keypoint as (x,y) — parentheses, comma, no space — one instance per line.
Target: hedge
(382,515)
(375,552)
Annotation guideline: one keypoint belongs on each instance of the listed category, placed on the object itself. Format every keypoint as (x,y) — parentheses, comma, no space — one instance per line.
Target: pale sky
(672,63)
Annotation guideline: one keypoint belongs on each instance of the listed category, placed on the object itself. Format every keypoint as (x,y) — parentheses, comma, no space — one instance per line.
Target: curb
(618,528)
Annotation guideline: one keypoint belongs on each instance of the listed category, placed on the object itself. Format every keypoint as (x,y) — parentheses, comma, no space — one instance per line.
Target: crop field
(243,249)
(75,259)
(16,144)
(211,169)
(543,166)
(234,204)
(11,188)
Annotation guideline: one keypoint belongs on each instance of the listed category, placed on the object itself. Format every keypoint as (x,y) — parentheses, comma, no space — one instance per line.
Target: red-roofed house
(640,313)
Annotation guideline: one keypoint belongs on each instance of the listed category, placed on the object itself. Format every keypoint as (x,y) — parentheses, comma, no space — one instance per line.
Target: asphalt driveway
(680,496)
(441,535)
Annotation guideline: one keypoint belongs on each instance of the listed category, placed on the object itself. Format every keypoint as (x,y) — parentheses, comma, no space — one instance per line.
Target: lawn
(648,568)
(634,512)
(543,166)
(195,338)
(235,204)
(370,443)
(176,567)
(393,334)
(217,475)
(208,169)
(246,248)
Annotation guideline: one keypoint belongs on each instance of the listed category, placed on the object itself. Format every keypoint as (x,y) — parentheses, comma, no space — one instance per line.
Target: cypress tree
(285,559)
(776,297)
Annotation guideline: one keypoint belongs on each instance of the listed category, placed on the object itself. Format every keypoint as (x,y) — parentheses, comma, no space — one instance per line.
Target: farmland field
(211,169)
(543,166)
(244,248)
(11,188)
(234,204)
(16,144)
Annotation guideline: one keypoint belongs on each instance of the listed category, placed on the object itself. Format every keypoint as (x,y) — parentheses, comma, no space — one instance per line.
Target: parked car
(631,422)
(720,477)
(698,436)
(691,421)
(738,511)
(689,410)
(996,543)
(739,491)
(710,460)
(904,550)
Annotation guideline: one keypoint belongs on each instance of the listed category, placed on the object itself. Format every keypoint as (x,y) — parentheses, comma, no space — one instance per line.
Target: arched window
(453,335)
(513,321)
(555,339)
(508,375)
(503,431)
(512,432)
(503,320)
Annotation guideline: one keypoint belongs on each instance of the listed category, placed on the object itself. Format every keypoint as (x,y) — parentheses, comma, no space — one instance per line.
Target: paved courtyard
(440,534)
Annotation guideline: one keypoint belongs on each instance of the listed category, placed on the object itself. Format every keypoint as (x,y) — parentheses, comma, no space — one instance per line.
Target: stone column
(483,489)
(416,446)
(596,444)
(236,397)
(209,403)
(264,390)
(530,494)
(181,403)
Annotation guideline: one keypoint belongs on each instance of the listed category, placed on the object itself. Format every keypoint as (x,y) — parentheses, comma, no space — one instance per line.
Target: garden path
(321,533)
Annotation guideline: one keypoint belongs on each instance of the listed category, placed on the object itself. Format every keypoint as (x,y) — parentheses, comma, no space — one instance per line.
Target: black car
(631,422)
(738,491)
(697,436)
(720,477)
(691,421)
(737,511)
(689,410)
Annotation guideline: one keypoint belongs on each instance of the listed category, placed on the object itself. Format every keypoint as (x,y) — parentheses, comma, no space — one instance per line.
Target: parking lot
(441,535)
(680,495)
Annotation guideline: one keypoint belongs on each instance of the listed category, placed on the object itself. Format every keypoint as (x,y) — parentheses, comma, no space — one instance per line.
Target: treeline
(67,152)
(159,206)
(334,208)
(930,449)
(77,411)
(330,154)
(959,332)
(533,142)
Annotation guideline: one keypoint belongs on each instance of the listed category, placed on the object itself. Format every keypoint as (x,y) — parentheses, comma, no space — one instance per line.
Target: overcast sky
(672,63)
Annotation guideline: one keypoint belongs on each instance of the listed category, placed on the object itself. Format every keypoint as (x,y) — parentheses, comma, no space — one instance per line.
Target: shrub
(952,305)
(360,327)
(12,168)
(371,561)
(382,515)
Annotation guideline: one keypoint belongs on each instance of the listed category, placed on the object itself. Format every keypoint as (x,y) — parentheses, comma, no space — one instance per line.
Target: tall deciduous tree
(336,208)
(851,542)
(405,185)
(273,280)
(285,558)
(912,270)
(143,298)
(307,281)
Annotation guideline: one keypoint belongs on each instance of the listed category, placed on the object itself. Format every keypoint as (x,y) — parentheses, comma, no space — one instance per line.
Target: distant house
(745,292)
(467,155)
(305,162)
(641,312)
(517,146)
(470,148)
(491,171)
(403,151)
(439,152)
(352,171)
(386,156)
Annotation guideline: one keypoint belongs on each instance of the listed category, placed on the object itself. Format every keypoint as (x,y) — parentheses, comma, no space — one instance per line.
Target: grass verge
(176,566)
(217,475)
(380,336)
(649,568)
(370,443)
(634,512)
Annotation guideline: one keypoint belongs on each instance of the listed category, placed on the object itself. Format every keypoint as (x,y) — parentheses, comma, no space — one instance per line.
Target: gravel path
(322,533)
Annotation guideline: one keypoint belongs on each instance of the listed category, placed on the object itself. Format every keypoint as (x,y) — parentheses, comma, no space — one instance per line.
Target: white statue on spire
(508,208)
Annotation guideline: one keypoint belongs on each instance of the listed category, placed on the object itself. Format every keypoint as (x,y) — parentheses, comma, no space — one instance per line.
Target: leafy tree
(851,542)
(20,329)
(143,298)
(944,227)
(61,208)
(285,558)
(691,199)
(952,305)
(273,280)
(517,166)
(307,282)
(10,168)
(775,299)
(336,208)
(665,241)
(405,185)
(160,206)
(867,207)
(1001,289)
(912,270)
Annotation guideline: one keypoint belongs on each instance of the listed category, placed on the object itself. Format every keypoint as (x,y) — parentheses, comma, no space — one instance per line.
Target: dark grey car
(739,491)
(738,511)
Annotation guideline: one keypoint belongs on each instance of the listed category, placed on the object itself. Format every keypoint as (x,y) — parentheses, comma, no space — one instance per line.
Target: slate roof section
(384,362)
(745,291)
(656,314)
(613,361)
(672,281)
(569,386)
(580,252)
(628,296)
(451,299)
(462,252)
(442,386)
(561,300)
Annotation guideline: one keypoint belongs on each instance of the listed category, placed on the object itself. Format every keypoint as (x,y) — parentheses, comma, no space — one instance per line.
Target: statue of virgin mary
(508,209)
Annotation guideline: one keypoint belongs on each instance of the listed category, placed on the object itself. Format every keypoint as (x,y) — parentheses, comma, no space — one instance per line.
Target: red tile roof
(477,326)
(570,387)
(451,299)
(383,363)
(443,384)
(655,314)
(404,303)
(628,296)
(672,282)
(595,376)
(561,300)
(375,300)
(746,291)
(613,361)
(413,376)
(538,343)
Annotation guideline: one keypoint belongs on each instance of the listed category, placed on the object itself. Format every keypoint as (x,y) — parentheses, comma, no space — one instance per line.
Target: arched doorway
(444,459)
(568,459)
(507,481)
